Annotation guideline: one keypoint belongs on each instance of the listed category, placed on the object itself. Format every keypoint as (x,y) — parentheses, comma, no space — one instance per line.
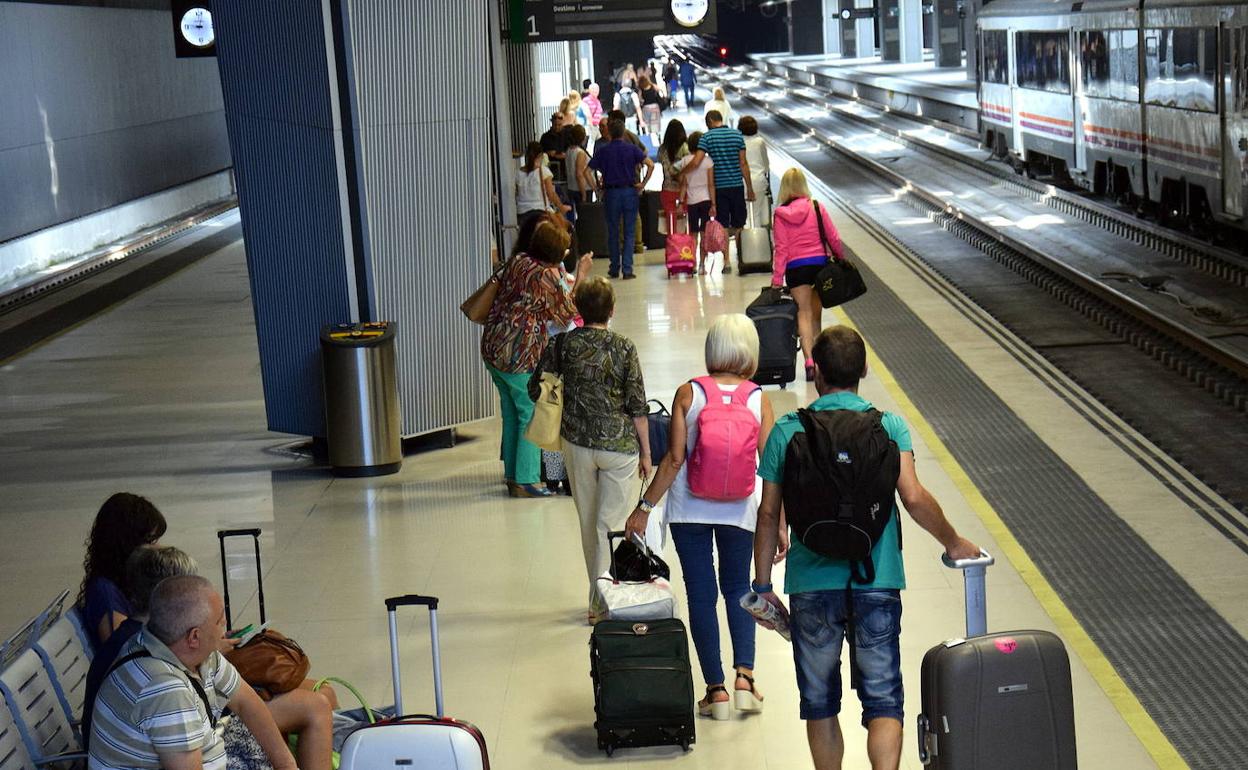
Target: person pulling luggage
(839,587)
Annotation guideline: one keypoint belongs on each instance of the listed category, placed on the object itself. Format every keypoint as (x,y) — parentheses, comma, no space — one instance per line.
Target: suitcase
(989,700)
(679,249)
(591,228)
(428,742)
(650,210)
(774,314)
(643,685)
(755,253)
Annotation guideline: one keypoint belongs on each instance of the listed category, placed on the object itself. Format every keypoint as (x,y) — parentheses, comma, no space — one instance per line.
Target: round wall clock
(690,13)
(197,27)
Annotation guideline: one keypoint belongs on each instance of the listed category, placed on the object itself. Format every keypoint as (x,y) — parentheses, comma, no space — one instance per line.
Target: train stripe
(1182,159)
(1117,144)
(1046,119)
(1089,128)
(1212,152)
(1065,133)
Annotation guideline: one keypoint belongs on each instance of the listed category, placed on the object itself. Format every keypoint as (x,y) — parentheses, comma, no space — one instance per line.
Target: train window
(996,56)
(1180,68)
(1109,63)
(1043,61)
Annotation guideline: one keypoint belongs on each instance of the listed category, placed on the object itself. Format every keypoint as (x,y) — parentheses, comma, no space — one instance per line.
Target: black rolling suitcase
(591,228)
(774,314)
(996,700)
(643,686)
(650,208)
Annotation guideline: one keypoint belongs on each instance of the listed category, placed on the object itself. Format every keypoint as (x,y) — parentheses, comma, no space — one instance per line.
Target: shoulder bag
(838,281)
(477,307)
(547,422)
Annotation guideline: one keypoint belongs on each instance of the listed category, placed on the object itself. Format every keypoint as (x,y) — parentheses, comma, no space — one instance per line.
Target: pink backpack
(725,459)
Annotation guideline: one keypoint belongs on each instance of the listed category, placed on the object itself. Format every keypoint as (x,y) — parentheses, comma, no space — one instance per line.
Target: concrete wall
(95,111)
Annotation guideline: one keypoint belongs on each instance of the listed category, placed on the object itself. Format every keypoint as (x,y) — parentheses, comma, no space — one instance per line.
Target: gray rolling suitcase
(755,253)
(996,700)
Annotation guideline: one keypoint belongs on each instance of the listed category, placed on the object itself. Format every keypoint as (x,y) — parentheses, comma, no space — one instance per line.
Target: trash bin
(361,399)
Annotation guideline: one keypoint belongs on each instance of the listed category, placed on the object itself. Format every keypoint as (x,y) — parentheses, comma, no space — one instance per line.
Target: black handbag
(660,421)
(632,564)
(838,281)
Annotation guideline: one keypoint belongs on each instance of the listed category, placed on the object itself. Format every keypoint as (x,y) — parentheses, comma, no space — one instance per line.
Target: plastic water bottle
(762,609)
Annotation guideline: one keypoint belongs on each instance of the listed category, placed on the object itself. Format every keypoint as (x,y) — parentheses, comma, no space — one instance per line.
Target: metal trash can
(361,399)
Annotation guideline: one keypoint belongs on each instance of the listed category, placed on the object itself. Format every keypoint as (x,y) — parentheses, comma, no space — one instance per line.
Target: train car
(1140,99)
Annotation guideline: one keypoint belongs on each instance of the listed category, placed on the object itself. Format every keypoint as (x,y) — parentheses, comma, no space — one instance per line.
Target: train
(1142,100)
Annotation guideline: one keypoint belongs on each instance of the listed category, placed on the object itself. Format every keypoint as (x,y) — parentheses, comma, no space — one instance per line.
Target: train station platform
(921,89)
(161,396)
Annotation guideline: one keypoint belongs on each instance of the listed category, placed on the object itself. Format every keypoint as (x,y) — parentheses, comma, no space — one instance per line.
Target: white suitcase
(416,740)
(756,250)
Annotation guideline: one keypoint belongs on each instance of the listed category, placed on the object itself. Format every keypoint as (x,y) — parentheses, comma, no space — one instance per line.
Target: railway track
(1178,300)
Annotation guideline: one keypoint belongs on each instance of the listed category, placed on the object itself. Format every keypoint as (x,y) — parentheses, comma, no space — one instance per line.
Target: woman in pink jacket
(801,252)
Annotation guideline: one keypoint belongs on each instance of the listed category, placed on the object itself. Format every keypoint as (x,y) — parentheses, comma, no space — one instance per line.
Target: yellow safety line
(1133,713)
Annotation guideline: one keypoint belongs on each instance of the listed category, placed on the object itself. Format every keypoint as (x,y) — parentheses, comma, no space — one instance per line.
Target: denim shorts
(818,622)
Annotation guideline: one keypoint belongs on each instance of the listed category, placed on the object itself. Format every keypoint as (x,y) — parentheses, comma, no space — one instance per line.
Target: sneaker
(629,276)
(727,268)
(613,275)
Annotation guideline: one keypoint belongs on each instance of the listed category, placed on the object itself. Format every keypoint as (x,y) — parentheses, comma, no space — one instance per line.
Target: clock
(196,27)
(690,13)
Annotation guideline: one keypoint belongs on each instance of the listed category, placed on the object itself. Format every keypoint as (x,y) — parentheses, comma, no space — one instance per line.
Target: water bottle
(765,610)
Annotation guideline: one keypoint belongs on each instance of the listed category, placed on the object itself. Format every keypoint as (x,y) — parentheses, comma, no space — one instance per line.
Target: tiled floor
(161,396)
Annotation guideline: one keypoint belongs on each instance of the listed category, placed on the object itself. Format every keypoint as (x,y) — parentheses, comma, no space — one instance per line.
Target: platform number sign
(194,33)
(534,21)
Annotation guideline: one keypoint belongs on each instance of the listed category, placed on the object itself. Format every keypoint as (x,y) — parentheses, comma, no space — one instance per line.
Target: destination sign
(535,21)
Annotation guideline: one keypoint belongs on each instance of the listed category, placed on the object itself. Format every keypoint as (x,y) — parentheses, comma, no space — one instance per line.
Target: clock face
(690,13)
(197,27)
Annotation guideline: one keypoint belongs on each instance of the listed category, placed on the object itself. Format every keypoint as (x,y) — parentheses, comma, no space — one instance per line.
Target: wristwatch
(761,588)
(644,506)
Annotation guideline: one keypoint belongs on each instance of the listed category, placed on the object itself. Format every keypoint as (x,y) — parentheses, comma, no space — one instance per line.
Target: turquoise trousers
(522,461)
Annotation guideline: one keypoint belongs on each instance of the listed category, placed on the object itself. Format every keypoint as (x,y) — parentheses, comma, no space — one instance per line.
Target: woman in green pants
(532,293)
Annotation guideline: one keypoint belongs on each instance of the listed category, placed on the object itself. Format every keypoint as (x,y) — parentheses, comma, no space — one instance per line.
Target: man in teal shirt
(816,584)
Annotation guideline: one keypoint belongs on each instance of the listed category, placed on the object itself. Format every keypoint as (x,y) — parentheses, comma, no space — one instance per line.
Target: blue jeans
(621,202)
(736,552)
(688,89)
(818,623)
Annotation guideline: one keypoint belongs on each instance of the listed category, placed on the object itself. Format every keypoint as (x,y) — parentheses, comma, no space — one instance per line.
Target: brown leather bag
(477,307)
(270,662)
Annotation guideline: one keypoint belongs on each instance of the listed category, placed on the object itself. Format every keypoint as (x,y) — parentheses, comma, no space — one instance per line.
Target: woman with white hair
(719,103)
(719,427)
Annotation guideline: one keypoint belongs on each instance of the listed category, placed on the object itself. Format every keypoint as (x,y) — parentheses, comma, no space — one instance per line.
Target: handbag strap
(823,237)
(142,652)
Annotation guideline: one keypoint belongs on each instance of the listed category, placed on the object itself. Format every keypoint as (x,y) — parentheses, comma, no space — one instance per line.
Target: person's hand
(782,545)
(775,601)
(963,549)
(711,213)
(585,263)
(777,286)
(749,195)
(644,467)
(637,521)
(564,208)
(228,644)
(640,186)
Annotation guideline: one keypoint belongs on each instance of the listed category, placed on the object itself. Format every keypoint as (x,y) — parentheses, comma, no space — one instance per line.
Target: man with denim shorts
(733,184)
(817,585)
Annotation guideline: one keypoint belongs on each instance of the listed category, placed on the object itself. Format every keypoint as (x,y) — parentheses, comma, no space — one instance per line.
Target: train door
(1234,119)
(1080,107)
(1016,104)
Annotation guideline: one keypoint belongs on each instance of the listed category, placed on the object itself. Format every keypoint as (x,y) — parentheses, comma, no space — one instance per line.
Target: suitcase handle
(974,574)
(925,757)
(392,605)
(222,536)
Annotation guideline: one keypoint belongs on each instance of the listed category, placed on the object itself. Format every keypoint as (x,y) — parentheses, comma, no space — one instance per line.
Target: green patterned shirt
(602,388)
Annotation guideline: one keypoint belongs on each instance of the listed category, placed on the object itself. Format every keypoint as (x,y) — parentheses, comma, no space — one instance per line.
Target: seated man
(308,714)
(160,703)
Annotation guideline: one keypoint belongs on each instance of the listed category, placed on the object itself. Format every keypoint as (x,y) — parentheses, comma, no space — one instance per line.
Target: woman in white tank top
(701,526)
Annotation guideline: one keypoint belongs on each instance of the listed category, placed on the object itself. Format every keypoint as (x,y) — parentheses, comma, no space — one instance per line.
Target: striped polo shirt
(724,145)
(148,707)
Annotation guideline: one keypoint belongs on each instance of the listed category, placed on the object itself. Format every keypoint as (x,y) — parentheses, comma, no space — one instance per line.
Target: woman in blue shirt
(124,523)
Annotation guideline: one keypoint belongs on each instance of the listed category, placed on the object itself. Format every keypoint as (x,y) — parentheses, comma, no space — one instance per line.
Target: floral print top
(530,294)
(602,389)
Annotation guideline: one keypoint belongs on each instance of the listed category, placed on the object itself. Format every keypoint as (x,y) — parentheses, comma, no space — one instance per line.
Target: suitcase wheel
(610,749)
(684,744)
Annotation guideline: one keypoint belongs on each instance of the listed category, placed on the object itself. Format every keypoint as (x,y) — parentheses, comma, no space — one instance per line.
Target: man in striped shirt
(733,186)
(160,705)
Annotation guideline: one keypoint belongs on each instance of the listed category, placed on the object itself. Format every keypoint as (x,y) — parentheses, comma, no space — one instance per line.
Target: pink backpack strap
(743,392)
(711,389)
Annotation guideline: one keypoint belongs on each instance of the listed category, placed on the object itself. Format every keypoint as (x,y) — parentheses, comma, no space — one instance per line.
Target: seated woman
(123,523)
(605,433)
(702,526)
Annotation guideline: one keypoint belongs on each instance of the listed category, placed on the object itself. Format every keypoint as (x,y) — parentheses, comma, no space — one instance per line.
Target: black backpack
(840,479)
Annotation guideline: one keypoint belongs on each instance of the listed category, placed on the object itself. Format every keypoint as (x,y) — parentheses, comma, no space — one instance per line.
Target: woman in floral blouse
(531,293)
(606,436)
